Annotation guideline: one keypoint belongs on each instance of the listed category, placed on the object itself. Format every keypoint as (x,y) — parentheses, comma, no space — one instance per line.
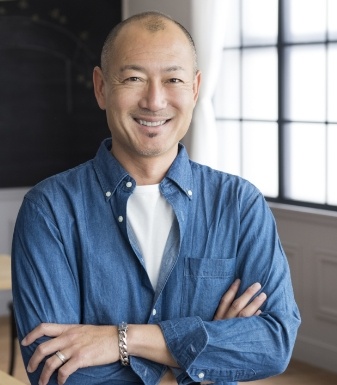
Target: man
(140,235)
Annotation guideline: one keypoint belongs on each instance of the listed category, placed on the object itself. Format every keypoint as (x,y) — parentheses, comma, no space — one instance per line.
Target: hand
(229,307)
(82,346)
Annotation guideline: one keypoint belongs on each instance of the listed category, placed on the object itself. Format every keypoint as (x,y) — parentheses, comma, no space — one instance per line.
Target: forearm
(147,341)
(241,349)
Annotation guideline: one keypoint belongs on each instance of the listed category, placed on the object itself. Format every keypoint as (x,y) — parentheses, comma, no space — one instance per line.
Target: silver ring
(61,357)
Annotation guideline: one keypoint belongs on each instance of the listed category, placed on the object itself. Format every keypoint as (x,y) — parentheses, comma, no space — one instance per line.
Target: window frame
(281,45)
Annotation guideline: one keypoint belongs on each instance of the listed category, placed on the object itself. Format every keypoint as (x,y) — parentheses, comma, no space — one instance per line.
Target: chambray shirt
(76,260)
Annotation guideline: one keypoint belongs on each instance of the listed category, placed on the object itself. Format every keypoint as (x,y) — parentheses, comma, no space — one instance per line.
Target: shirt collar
(180,172)
(110,172)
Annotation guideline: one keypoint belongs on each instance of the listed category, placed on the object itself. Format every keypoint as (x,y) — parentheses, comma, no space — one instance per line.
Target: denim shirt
(75,260)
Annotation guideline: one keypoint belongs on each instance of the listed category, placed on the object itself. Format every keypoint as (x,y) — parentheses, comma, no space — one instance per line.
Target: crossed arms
(89,345)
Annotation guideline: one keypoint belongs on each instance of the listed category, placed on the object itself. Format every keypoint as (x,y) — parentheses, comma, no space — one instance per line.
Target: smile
(151,124)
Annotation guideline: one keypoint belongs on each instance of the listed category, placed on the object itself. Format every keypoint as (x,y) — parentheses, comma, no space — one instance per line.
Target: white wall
(309,238)
(179,10)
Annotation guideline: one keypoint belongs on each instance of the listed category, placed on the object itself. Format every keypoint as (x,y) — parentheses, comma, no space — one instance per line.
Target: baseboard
(316,353)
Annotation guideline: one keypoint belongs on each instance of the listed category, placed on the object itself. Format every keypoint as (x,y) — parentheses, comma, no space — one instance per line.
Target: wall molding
(325,278)
(309,239)
(300,214)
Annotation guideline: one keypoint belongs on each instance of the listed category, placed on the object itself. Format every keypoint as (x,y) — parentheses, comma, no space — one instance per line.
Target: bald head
(152,22)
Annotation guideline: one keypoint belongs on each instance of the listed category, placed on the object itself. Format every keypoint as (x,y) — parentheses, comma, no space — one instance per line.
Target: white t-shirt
(151,218)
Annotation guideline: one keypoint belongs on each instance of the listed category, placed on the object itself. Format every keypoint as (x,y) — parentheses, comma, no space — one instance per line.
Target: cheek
(186,106)
(181,101)
(125,99)
(121,99)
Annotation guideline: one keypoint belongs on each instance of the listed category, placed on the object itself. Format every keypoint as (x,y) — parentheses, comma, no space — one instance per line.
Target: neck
(146,170)
(146,173)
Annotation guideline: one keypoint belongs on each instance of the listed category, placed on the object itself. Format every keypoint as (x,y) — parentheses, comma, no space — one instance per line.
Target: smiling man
(149,86)
(141,266)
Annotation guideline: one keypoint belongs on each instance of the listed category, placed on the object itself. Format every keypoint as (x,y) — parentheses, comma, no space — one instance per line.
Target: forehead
(167,43)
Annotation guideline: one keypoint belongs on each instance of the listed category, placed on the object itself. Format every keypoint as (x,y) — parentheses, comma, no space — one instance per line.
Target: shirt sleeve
(244,349)
(46,289)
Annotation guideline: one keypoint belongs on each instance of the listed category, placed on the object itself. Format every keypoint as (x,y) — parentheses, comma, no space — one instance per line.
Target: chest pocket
(205,282)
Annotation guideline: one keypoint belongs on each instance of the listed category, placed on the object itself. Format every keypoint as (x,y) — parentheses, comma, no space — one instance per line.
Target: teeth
(151,124)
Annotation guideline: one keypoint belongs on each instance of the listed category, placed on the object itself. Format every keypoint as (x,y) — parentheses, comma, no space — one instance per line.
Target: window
(276,99)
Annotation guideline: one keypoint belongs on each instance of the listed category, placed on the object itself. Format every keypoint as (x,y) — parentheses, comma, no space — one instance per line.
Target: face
(149,91)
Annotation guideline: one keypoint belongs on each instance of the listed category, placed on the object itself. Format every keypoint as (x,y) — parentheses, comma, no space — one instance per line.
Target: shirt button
(189,193)
(154,312)
(201,375)
(120,219)
(128,184)
(108,194)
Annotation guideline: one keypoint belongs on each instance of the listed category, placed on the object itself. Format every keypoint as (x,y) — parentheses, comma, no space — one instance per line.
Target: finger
(240,303)
(226,300)
(66,370)
(254,307)
(44,329)
(51,365)
(44,350)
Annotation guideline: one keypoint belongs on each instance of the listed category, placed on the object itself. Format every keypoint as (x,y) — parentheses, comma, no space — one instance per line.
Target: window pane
(260,156)
(332,82)
(259,84)
(227,94)
(305,162)
(305,96)
(332,19)
(229,147)
(332,164)
(259,21)
(305,20)
(232,23)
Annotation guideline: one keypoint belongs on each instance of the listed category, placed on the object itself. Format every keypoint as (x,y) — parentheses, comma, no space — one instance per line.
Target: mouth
(151,124)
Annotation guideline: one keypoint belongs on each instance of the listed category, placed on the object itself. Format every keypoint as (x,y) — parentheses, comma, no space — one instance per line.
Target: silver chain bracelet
(122,343)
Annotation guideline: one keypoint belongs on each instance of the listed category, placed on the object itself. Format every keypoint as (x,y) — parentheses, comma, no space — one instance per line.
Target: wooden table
(6,379)
(5,272)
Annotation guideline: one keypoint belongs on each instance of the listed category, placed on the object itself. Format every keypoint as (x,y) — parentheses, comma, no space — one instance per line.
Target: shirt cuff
(186,338)
(150,372)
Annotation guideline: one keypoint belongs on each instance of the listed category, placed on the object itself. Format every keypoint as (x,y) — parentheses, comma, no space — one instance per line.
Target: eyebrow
(135,67)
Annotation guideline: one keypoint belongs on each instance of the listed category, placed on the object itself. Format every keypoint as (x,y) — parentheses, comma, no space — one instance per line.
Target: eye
(175,80)
(132,79)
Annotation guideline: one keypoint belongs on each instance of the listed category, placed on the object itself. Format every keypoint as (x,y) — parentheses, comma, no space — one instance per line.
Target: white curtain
(207,30)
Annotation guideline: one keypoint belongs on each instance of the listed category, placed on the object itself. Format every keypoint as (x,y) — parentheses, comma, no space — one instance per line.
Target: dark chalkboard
(49,118)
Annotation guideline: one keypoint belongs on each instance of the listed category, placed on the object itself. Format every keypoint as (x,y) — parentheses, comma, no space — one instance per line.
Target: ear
(196,86)
(99,87)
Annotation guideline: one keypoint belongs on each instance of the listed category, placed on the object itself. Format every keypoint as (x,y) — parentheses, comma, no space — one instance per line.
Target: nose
(153,97)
